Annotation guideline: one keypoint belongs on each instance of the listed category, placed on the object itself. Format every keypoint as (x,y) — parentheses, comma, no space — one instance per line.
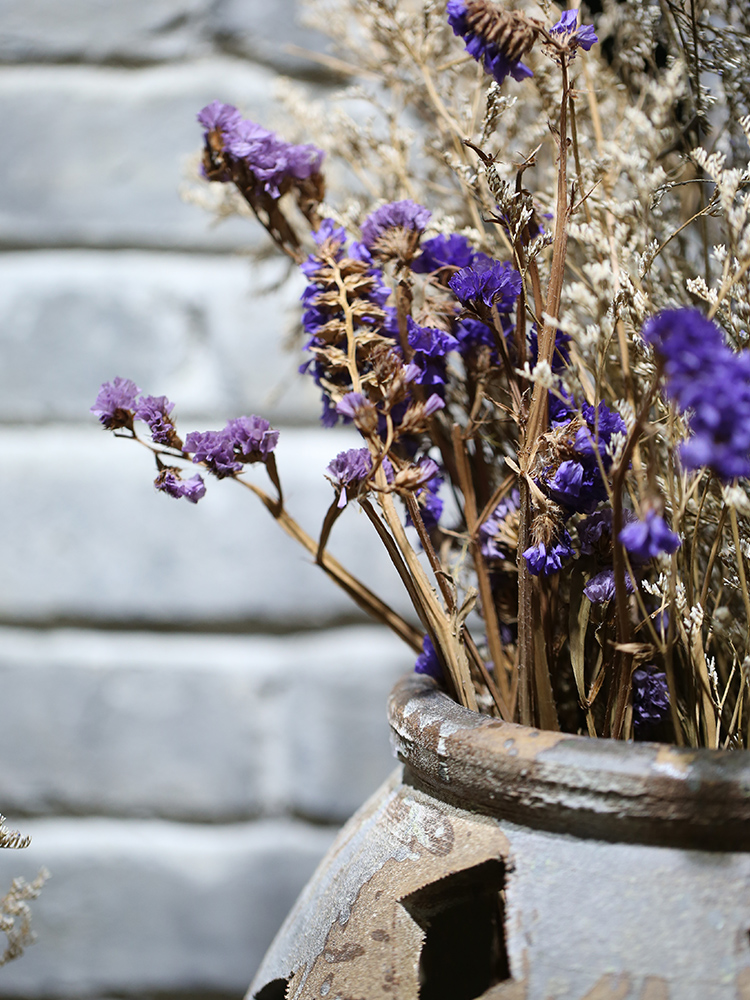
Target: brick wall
(188,707)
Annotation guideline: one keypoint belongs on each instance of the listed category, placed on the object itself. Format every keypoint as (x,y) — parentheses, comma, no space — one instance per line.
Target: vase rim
(599,788)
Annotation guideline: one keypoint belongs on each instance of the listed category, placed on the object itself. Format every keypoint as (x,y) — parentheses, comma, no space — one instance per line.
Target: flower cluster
(711,384)
(234,142)
(491,364)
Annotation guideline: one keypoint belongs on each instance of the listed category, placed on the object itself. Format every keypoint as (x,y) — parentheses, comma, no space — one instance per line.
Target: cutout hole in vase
(275,990)
(463,919)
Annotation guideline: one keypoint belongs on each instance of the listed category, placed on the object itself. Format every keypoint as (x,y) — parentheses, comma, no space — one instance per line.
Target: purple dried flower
(709,382)
(115,404)
(395,215)
(494,542)
(648,538)
(215,449)
(348,471)
(155,411)
(548,559)
(252,438)
(446,251)
(650,696)
(224,117)
(584,36)
(169,482)
(494,37)
(430,345)
(601,588)
(488,282)
(271,160)
(427,662)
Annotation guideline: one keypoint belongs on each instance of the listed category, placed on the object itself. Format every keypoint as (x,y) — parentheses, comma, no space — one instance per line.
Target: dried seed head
(510,30)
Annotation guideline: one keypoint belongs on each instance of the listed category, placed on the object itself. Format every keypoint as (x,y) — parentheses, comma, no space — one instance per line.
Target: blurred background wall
(188,709)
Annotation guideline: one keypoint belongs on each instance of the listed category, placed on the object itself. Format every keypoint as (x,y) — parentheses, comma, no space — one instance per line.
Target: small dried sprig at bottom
(15,912)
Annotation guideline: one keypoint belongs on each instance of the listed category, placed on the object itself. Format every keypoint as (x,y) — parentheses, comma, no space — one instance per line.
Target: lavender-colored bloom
(271,160)
(169,482)
(352,404)
(601,588)
(395,215)
(116,403)
(709,382)
(329,230)
(648,538)
(348,470)
(545,560)
(594,529)
(224,117)
(491,542)
(471,334)
(155,411)
(430,345)
(566,483)
(215,449)
(577,482)
(427,662)
(252,438)
(446,251)
(650,697)
(462,15)
(488,282)
(584,36)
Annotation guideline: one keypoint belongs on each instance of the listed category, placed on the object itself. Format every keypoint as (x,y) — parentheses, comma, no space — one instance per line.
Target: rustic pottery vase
(504,862)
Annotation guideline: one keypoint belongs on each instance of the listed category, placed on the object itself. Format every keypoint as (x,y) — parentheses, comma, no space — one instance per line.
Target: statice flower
(650,697)
(169,482)
(544,559)
(252,438)
(649,538)
(348,471)
(576,482)
(496,541)
(601,588)
(709,382)
(156,412)
(567,27)
(217,116)
(215,449)
(487,282)
(273,163)
(446,251)
(496,38)
(115,405)
(405,214)
(430,345)
(427,662)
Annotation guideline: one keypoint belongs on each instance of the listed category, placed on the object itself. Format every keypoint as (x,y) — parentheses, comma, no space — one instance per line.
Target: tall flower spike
(495,37)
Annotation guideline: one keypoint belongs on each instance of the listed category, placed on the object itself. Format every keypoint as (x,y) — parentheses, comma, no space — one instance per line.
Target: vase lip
(605,789)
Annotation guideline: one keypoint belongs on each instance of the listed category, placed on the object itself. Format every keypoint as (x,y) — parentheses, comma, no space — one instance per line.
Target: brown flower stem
(623,660)
(440,575)
(499,659)
(359,593)
(537,419)
(525,614)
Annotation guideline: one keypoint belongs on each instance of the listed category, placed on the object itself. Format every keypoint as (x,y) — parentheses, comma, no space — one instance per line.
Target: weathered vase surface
(515,864)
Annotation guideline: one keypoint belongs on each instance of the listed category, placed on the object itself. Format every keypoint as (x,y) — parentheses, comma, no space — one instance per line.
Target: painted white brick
(149,905)
(209,728)
(261,31)
(206,330)
(95,30)
(95,156)
(85,537)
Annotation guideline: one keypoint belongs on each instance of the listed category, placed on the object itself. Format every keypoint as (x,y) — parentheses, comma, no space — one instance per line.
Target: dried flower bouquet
(559,340)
